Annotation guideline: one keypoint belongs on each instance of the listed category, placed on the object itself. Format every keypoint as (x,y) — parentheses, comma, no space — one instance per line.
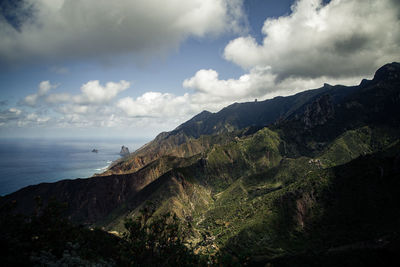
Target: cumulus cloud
(9,114)
(337,43)
(30,100)
(155,104)
(17,117)
(94,106)
(33,119)
(93,92)
(43,88)
(72,109)
(341,39)
(206,82)
(58,98)
(214,93)
(64,29)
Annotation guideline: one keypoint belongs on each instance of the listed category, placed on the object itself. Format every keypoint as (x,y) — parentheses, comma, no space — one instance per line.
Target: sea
(26,162)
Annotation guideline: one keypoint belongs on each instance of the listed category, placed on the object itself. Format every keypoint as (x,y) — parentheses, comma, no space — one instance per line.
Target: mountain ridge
(260,191)
(236,116)
(206,142)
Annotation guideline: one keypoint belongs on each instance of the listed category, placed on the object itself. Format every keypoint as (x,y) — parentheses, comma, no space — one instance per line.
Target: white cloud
(58,98)
(339,43)
(10,114)
(15,111)
(34,118)
(30,100)
(93,92)
(43,88)
(93,107)
(15,116)
(97,105)
(213,93)
(66,29)
(206,82)
(72,109)
(341,39)
(155,104)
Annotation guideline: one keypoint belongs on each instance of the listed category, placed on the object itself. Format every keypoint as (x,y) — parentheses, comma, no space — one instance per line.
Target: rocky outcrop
(318,112)
(124,151)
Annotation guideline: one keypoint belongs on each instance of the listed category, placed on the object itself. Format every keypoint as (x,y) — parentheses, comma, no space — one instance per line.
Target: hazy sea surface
(26,162)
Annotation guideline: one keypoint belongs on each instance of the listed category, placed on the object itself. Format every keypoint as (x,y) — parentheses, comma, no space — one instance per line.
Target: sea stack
(124,151)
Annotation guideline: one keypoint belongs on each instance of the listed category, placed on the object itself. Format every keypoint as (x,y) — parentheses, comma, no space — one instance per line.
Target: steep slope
(205,129)
(91,200)
(234,186)
(191,188)
(263,194)
(186,139)
(175,145)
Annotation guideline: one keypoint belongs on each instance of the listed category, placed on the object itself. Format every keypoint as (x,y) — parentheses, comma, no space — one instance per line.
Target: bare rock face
(319,112)
(124,151)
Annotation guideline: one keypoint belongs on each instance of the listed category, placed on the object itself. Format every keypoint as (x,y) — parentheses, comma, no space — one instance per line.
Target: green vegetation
(317,186)
(158,241)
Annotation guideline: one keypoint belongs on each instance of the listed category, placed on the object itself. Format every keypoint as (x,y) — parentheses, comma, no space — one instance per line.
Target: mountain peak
(388,72)
(201,115)
(196,119)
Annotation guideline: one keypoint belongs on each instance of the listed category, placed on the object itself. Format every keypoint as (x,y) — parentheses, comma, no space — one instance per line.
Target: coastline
(25,162)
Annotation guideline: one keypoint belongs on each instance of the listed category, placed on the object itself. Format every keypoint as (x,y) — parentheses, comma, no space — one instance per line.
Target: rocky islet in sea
(124,151)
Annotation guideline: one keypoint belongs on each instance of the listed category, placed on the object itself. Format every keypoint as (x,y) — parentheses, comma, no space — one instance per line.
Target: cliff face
(258,192)
(318,112)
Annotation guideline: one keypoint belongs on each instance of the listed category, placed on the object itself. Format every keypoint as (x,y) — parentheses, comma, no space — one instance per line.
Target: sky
(135,68)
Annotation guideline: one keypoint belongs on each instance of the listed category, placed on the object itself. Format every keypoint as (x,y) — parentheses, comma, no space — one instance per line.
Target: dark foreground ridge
(306,180)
